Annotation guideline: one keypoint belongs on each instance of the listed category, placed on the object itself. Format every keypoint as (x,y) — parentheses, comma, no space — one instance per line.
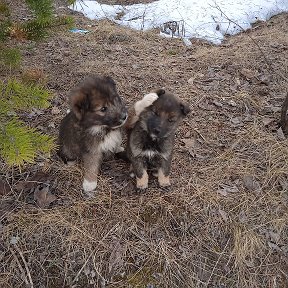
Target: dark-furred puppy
(151,135)
(92,128)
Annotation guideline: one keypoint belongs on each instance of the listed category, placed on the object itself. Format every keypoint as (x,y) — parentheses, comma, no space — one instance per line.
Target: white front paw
(119,149)
(89,185)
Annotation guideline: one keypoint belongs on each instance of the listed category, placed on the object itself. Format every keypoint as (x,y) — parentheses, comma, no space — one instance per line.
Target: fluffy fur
(92,128)
(151,137)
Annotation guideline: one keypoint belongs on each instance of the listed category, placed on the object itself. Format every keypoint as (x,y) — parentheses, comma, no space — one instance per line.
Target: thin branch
(82,268)
(25,264)
(19,266)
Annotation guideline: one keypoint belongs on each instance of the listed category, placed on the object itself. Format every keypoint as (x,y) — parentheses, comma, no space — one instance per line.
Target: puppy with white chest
(151,135)
(92,128)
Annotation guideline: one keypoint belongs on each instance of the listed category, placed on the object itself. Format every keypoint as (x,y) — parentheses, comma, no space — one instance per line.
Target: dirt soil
(224,221)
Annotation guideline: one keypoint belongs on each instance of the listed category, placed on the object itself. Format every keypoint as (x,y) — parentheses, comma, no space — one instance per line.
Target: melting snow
(206,19)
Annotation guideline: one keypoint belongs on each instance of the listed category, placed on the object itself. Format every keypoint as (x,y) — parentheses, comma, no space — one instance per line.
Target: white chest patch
(111,141)
(148,153)
(94,130)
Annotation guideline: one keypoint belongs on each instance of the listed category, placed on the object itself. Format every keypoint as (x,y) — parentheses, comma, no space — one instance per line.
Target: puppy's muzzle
(123,117)
(155,134)
(122,120)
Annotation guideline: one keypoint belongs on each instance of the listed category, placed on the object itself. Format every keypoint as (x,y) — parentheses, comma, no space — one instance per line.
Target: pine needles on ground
(19,143)
(10,57)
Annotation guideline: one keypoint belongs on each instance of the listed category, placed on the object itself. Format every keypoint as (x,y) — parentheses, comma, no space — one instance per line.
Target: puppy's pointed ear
(78,103)
(160,92)
(110,80)
(185,109)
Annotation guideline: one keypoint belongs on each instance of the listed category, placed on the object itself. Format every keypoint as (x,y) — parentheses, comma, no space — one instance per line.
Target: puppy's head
(162,118)
(97,103)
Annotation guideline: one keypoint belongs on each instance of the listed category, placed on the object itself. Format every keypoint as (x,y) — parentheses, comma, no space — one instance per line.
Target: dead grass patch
(224,223)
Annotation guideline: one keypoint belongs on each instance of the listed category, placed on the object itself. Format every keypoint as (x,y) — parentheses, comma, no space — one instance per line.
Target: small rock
(224,215)
(14,240)
(280,134)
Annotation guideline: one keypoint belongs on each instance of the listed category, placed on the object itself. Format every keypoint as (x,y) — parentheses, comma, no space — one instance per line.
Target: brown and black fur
(91,129)
(151,139)
(284,117)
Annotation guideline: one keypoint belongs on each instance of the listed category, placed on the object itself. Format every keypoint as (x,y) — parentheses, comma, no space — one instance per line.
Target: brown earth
(224,222)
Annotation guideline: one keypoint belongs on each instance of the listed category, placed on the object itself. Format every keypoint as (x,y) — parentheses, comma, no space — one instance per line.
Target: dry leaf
(267,121)
(223,192)
(217,103)
(236,121)
(116,256)
(232,103)
(242,217)
(248,74)
(189,142)
(225,189)
(273,246)
(249,263)
(39,177)
(200,157)
(265,79)
(280,134)
(14,240)
(229,188)
(283,183)
(187,134)
(275,237)
(43,196)
(191,80)
(4,187)
(251,184)
(224,215)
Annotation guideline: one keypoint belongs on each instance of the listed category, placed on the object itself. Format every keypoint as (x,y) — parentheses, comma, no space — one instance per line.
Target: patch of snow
(207,19)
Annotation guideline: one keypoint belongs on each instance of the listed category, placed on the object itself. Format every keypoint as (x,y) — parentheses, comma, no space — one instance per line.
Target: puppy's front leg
(141,173)
(163,173)
(92,163)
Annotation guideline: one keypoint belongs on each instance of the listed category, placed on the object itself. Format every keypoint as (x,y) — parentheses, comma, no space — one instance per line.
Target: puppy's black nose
(156,131)
(123,116)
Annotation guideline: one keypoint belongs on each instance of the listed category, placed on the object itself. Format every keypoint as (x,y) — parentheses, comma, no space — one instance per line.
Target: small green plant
(36,28)
(10,57)
(18,142)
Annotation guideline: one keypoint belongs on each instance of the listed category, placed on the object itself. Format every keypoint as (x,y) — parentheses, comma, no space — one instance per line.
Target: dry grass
(211,229)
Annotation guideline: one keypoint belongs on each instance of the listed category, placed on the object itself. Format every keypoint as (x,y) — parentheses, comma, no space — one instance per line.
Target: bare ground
(224,222)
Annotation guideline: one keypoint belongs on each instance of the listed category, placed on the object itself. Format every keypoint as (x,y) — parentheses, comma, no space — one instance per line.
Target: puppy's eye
(155,112)
(171,120)
(103,109)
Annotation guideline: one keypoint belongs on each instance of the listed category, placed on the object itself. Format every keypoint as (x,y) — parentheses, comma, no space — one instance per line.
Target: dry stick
(221,254)
(84,265)
(25,264)
(254,41)
(20,267)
